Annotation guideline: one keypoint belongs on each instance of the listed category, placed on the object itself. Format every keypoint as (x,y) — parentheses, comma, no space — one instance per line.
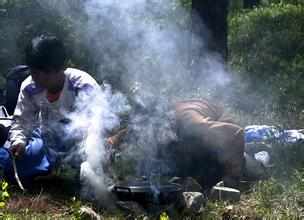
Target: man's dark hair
(45,53)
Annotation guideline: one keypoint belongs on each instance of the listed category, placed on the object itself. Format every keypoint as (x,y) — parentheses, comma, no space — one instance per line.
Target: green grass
(270,199)
(281,197)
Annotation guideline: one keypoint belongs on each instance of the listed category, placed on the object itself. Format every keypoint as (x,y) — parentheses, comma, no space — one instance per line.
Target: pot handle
(121,189)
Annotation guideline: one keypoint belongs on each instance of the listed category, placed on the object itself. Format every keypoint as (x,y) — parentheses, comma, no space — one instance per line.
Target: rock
(88,213)
(225,194)
(254,169)
(193,202)
(228,213)
(131,207)
(264,158)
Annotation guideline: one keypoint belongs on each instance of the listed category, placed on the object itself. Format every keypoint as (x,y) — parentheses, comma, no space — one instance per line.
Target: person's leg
(209,137)
(231,154)
(5,160)
(34,162)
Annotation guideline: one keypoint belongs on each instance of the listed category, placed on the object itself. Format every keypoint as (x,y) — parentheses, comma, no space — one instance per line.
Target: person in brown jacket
(210,146)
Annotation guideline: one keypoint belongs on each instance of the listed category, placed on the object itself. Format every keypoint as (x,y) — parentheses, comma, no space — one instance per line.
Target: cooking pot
(143,192)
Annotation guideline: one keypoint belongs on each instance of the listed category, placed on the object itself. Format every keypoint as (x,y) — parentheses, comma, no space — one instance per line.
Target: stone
(88,213)
(225,194)
(254,169)
(193,202)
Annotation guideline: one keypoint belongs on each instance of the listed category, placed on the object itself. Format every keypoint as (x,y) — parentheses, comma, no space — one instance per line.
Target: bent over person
(37,137)
(210,146)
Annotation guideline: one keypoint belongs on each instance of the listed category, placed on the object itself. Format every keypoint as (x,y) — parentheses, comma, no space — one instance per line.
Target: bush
(267,50)
(4,195)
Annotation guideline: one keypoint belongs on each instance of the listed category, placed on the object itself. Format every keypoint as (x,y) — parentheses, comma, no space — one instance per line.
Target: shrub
(267,50)
(4,195)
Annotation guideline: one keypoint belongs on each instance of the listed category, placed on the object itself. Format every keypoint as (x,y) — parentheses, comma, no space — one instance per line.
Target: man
(210,146)
(37,136)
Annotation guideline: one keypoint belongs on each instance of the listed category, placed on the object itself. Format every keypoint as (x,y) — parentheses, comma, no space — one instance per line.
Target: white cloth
(266,133)
(263,157)
(34,110)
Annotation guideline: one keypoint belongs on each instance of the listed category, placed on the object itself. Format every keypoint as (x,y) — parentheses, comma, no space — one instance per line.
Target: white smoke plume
(149,45)
(148,48)
(92,119)
(150,51)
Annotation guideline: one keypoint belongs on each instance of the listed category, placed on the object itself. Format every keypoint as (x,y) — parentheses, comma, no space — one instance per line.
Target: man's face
(46,80)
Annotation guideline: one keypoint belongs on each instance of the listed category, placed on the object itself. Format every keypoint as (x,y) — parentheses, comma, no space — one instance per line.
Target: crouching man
(210,146)
(37,137)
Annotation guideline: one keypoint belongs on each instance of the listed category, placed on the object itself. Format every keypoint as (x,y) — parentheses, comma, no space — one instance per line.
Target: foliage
(287,158)
(75,208)
(266,49)
(266,192)
(270,199)
(283,200)
(268,2)
(4,195)
(235,6)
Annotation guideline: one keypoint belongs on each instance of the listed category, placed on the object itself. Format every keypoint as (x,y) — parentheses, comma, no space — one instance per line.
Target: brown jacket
(209,141)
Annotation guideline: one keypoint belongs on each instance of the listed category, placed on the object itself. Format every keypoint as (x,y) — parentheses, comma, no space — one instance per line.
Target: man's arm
(117,138)
(25,116)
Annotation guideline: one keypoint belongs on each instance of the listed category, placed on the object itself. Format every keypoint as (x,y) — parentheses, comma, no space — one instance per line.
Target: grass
(270,199)
(281,197)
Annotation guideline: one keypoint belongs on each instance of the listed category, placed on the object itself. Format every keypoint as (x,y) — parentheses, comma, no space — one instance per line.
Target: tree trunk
(213,14)
(251,3)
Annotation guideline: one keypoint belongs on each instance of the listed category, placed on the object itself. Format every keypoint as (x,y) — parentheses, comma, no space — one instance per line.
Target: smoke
(89,123)
(149,44)
(142,44)
(147,49)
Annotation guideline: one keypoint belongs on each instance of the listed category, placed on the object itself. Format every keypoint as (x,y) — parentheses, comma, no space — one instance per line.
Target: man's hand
(17,150)
(116,139)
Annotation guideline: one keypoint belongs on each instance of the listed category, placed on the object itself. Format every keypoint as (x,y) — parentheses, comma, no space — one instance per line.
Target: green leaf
(2,204)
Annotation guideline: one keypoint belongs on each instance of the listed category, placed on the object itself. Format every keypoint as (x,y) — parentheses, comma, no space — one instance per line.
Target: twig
(16,174)
(34,199)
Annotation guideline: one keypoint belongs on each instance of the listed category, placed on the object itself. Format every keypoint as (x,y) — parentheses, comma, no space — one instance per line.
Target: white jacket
(34,110)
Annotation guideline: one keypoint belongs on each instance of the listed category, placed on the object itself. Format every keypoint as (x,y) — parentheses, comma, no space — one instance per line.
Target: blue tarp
(271,134)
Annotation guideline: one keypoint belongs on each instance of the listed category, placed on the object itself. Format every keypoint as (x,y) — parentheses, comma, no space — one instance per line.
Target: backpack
(14,79)
(5,125)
